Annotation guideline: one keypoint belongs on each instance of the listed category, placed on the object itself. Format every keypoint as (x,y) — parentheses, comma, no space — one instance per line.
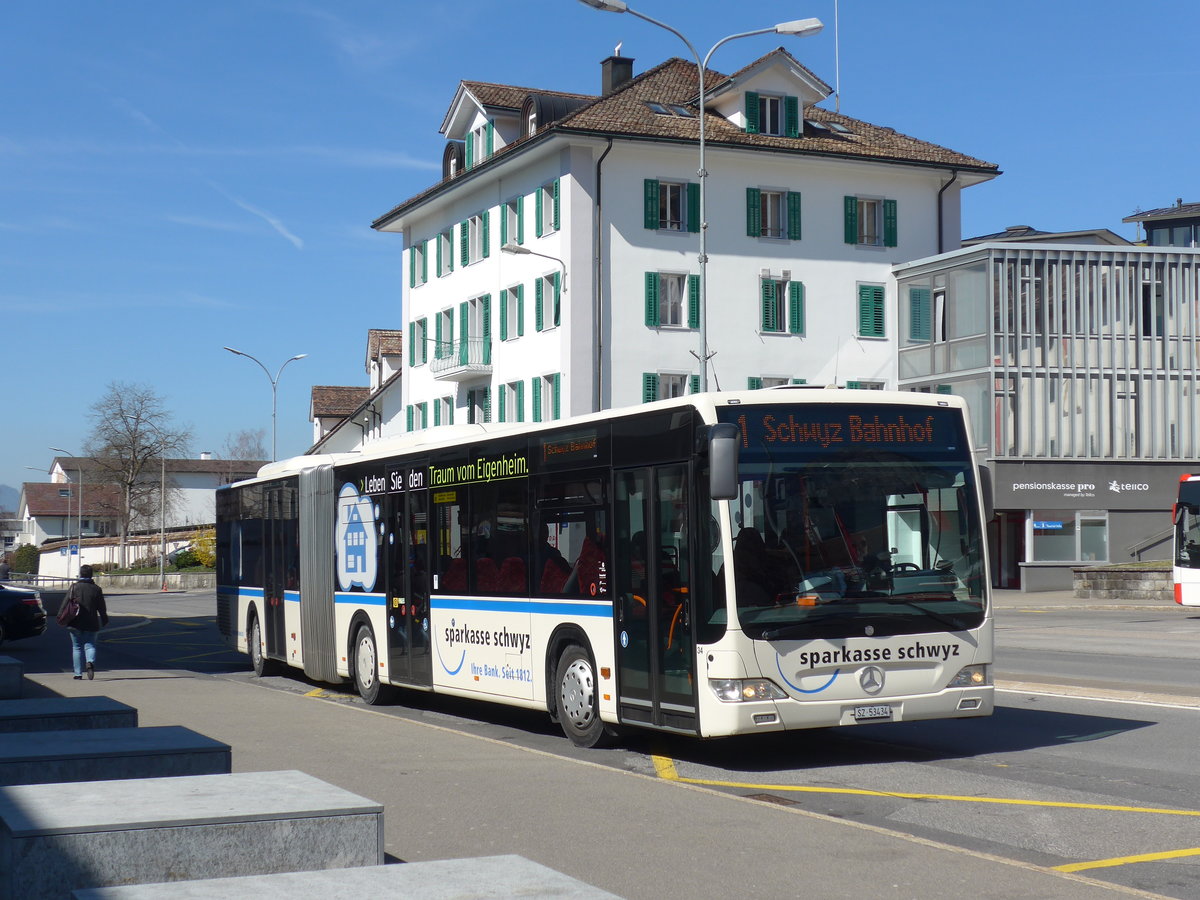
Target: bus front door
(653,620)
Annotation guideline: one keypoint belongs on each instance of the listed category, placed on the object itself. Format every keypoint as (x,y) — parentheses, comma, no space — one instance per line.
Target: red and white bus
(716,564)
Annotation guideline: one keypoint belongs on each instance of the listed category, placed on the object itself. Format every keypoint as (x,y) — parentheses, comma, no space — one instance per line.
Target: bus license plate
(863,713)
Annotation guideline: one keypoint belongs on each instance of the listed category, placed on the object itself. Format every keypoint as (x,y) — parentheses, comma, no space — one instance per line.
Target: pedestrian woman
(93,614)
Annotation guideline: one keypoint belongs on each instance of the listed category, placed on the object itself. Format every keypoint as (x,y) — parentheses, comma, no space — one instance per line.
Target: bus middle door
(655,658)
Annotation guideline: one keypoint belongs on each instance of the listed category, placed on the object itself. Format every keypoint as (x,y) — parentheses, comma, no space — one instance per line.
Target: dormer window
(772,114)
(480,144)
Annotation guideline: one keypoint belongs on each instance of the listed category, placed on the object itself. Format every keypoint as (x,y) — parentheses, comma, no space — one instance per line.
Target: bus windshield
(855,520)
(1187,525)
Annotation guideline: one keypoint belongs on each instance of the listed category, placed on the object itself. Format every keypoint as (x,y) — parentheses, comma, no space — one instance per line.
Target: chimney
(615,72)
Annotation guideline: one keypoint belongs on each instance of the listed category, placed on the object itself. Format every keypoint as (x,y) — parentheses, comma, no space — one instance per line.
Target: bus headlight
(742,690)
(973,676)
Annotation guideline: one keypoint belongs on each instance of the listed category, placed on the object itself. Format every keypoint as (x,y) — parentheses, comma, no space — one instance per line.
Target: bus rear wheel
(579,700)
(258,660)
(366,666)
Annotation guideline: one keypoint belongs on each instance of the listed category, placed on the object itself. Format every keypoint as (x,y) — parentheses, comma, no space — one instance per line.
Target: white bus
(1186,517)
(717,564)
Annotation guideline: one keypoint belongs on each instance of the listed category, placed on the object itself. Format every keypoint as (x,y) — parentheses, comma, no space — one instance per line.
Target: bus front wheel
(578,699)
(366,666)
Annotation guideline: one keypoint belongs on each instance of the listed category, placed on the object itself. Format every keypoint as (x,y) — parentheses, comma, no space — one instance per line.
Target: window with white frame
(513,222)
(547,302)
(479,405)
(665,385)
(672,294)
(512,402)
(512,312)
(770,114)
(418,348)
(772,214)
(443,411)
(781,306)
(444,337)
(419,271)
(418,416)
(870,221)
(671,205)
(477,238)
(445,252)
(672,300)
(546,201)
(544,403)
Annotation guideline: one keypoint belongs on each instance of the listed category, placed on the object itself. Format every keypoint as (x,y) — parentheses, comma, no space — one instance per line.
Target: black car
(21,613)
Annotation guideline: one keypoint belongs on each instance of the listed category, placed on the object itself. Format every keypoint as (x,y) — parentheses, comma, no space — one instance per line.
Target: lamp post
(274,386)
(799,28)
(79,549)
(518,250)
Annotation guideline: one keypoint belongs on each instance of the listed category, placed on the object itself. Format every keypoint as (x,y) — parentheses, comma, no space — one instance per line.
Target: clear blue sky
(175,177)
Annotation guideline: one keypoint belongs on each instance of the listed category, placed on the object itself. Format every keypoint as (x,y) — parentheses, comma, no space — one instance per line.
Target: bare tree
(131,432)
(249,443)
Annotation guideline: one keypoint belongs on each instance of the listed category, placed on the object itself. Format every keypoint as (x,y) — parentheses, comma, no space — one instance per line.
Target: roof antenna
(837,62)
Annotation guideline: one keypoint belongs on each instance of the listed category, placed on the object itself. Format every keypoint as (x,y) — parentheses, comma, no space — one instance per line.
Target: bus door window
(671,544)
(418,537)
(395,555)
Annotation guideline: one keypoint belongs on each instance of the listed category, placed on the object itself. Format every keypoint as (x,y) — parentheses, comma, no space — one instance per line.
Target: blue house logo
(357,556)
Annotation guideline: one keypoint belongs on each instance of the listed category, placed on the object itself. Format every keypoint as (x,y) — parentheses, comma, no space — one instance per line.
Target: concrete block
(12,674)
(480,878)
(56,838)
(65,714)
(104,754)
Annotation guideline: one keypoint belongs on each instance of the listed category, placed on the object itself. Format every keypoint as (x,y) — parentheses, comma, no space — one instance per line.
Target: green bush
(186,558)
(25,559)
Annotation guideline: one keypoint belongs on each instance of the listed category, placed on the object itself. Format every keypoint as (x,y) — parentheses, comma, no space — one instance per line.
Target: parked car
(21,613)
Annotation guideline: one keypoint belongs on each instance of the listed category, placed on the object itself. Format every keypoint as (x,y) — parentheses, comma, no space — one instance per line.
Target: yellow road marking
(316,692)
(665,768)
(1126,860)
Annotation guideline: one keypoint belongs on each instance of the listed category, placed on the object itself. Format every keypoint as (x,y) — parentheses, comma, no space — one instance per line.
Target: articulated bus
(717,564)
(1186,517)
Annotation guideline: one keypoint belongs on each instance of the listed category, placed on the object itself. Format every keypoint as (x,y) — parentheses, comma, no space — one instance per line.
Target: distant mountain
(8,498)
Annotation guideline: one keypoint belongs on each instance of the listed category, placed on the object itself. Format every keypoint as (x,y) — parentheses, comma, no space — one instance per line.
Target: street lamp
(518,250)
(79,551)
(799,28)
(274,386)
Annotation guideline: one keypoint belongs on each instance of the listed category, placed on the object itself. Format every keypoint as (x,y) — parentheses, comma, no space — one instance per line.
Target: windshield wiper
(793,628)
(951,621)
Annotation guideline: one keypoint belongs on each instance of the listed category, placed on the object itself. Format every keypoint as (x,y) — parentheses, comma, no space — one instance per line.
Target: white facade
(612,343)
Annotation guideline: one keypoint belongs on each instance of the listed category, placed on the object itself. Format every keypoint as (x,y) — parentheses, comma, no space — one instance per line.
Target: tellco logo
(1119,487)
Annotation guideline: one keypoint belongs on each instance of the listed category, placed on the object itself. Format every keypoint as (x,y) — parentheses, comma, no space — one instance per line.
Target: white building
(807,212)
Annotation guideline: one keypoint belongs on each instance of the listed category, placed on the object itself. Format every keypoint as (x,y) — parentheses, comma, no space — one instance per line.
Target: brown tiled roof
(507,96)
(334,400)
(99,500)
(624,113)
(384,342)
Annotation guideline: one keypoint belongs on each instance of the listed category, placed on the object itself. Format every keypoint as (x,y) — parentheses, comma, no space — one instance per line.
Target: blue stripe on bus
(524,605)
(360,599)
(291,596)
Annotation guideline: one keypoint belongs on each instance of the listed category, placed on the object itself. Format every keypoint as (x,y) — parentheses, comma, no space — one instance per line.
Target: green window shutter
(556,401)
(649,387)
(870,310)
(918,314)
(437,412)
(796,307)
(425,262)
(768,318)
(504,315)
(537,304)
(520,398)
(503,224)
(450,415)
(943,389)
(754,383)
(693,384)
(486,233)
(412,348)
(424,409)
(793,214)
(437,338)
(650,198)
(439,254)
(487,404)
(693,301)
(558,298)
(409,416)
(521,219)
(854,385)
(535,394)
(791,117)
(651,299)
(693,207)
(850,206)
(537,212)
(485,305)
(753,212)
(464,318)
(464,242)
(412,267)
(450,249)
(751,112)
(557,219)
(520,310)
(491,138)
(424,348)
(470,154)
(889,223)
(503,394)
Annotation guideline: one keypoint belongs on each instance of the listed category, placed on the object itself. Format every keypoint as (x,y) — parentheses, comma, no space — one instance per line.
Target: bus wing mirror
(985,485)
(723,441)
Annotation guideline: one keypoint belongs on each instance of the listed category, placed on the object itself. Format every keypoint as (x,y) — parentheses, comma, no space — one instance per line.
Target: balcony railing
(461,360)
